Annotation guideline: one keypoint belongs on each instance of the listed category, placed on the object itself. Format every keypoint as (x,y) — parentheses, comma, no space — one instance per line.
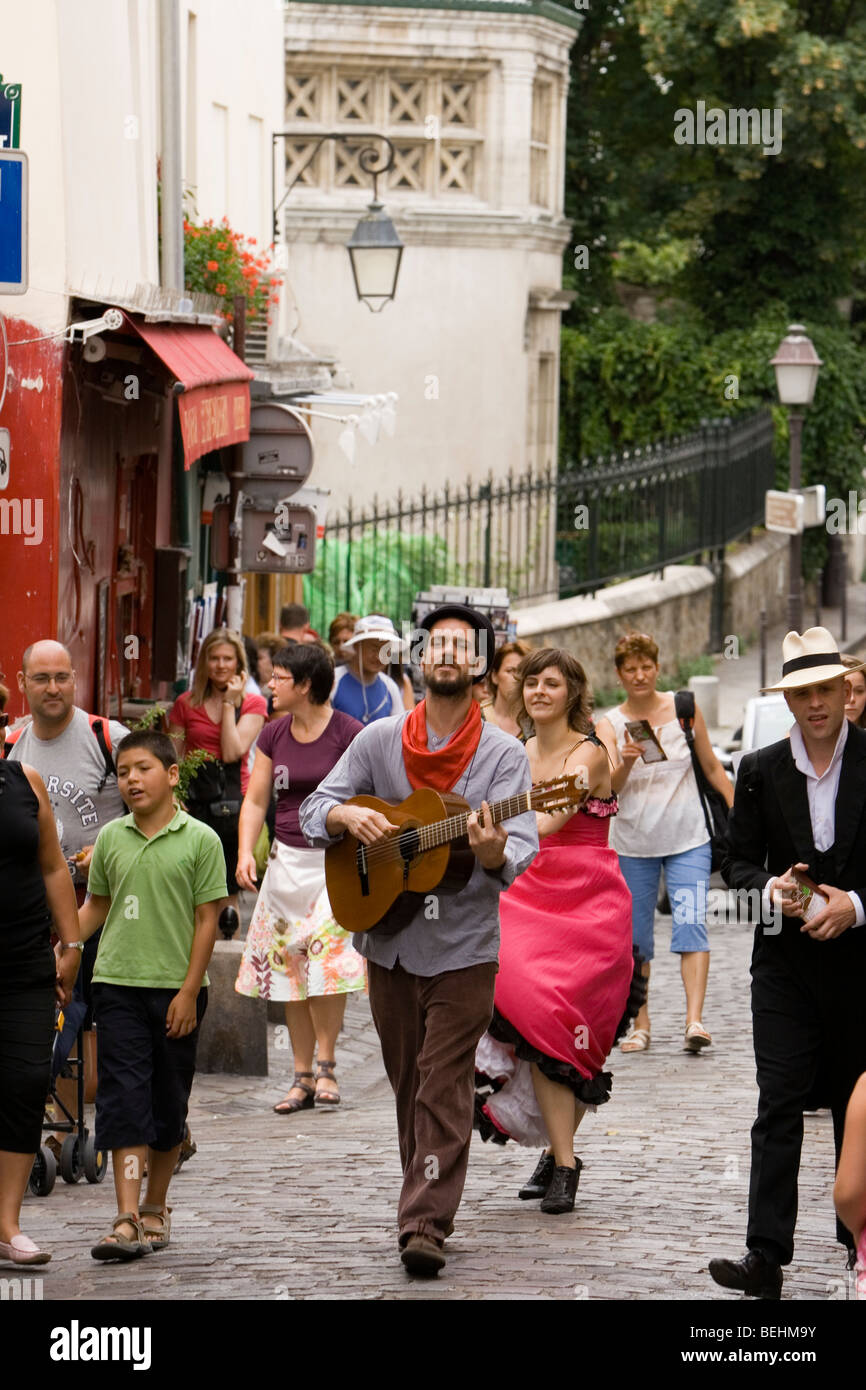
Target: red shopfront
(108,577)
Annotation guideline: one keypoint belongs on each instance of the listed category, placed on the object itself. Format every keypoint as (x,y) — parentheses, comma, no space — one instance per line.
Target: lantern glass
(796,382)
(375,251)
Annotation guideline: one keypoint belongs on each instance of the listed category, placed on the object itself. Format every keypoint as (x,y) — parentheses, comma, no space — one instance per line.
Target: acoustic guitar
(428,848)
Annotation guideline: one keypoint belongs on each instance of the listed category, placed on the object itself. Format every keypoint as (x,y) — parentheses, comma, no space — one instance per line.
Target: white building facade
(473,97)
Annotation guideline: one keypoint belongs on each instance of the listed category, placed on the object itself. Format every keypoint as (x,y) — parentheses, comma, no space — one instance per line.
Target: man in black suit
(800,804)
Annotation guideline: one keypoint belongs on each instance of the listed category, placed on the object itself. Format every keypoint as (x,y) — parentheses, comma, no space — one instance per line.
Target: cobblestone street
(276,1208)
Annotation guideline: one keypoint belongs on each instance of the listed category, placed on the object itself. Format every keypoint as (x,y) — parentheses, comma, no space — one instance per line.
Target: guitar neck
(440,832)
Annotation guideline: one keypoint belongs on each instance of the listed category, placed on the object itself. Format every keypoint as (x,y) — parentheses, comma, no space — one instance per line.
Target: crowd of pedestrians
(498,1011)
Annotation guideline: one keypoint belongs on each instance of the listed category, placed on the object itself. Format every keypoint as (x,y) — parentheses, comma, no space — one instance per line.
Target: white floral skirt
(294,948)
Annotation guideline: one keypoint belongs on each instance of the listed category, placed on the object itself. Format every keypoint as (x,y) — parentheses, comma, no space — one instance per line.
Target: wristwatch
(72,946)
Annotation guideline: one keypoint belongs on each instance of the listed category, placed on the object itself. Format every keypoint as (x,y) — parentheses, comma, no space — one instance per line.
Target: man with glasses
(71,752)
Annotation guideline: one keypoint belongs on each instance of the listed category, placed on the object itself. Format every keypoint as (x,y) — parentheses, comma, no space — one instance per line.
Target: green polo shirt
(155,885)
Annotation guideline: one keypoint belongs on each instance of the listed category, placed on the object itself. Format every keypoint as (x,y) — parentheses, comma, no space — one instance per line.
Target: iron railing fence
(638,511)
(542,534)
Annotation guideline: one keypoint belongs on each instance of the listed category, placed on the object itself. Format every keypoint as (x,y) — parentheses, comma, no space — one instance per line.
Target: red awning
(214,407)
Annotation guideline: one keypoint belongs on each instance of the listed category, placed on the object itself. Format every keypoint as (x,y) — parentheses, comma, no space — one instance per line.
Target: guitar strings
(383,851)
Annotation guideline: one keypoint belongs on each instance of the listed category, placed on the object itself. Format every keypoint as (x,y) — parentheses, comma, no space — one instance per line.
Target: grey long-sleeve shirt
(466,931)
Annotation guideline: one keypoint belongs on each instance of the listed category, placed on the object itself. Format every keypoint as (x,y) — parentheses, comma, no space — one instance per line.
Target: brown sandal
(117,1247)
(326,1073)
(289,1107)
(157,1239)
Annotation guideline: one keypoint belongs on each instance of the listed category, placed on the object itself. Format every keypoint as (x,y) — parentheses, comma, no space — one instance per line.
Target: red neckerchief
(441,770)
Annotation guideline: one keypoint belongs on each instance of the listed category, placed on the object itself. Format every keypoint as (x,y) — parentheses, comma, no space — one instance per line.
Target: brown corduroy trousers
(429,1027)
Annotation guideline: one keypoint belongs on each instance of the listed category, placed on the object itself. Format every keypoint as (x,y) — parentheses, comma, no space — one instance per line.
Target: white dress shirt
(821,792)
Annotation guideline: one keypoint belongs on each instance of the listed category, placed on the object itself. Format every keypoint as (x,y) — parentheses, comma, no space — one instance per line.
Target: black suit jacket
(769,828)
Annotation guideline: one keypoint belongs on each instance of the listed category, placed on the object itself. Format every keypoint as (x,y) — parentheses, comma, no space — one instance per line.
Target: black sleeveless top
(26,957)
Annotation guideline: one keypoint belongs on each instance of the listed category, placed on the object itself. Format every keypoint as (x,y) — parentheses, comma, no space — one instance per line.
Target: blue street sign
(13,222)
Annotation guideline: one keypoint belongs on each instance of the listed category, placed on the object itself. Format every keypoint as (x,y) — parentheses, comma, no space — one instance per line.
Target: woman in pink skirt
(566,964)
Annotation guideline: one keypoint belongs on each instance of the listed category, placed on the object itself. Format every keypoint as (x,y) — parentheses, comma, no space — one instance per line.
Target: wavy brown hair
(579,698)
(220,636)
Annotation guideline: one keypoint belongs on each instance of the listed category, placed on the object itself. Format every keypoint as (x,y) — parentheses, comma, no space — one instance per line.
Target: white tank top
(660,810)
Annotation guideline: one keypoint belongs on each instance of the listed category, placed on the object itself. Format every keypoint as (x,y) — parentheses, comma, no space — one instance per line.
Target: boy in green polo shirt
(156,881)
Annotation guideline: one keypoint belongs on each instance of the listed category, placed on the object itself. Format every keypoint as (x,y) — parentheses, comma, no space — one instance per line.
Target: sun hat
(376,628)
(809,658)
(477,620)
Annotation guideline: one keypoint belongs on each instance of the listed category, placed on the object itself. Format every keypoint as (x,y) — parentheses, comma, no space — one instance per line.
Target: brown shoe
(422,1255)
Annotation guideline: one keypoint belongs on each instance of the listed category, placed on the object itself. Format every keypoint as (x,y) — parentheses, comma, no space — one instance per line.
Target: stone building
(473,95)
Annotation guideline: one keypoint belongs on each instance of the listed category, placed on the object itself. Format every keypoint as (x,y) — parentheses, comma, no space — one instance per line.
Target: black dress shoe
(559,1197)
(229,921)
(540,1180)
(758,1275)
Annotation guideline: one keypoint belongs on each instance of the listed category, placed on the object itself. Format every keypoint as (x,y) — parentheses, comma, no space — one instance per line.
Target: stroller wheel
(95,1160)
(43,1174)
(71,1167)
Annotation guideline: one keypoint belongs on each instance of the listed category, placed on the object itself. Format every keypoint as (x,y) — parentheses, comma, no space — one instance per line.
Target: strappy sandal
(289,1107)
(158,1239)
(118,1247)
(326,1073)
(637,1041)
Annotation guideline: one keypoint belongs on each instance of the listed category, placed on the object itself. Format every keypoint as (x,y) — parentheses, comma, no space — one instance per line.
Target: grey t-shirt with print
(72,767)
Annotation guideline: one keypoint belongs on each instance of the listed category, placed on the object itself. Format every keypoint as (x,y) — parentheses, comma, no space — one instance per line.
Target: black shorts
(145,1077)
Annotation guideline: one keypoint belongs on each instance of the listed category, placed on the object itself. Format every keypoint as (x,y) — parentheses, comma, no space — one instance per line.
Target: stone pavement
(304,1208)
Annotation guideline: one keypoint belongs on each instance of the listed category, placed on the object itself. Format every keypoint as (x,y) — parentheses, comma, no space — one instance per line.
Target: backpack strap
(102,733)
(684,706)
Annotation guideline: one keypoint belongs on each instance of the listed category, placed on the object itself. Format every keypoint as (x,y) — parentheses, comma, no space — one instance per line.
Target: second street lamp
(797,365)
(375,249)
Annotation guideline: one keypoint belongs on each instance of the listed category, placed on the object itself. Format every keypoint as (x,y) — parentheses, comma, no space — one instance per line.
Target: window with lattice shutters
(457,102)
(355,98)
(409,172)
(303,96)
(407,100)
(297,154)
(539,144)
(456,168)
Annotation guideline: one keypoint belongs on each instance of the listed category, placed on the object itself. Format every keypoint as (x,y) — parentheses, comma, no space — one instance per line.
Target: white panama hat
(376,628)
(809,658)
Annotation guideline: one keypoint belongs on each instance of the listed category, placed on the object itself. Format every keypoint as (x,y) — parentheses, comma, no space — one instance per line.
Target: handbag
(217,785)
(713,804)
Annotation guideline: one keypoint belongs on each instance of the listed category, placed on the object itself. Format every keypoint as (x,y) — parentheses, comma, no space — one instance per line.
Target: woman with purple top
(295,951)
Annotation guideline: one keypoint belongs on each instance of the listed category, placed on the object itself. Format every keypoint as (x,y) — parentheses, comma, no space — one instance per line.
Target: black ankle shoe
(228,923)
(540,1180)
(559,1197)
(758,1275)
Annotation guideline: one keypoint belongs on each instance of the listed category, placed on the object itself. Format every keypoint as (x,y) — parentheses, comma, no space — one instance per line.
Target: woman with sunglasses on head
(295,952)
(661,824)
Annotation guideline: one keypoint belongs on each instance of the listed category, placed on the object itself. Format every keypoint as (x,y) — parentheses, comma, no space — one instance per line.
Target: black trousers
(26,1037)
(810,1048)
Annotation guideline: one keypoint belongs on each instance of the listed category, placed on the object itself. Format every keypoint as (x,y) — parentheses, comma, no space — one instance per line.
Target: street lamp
(797,365)
(375,249)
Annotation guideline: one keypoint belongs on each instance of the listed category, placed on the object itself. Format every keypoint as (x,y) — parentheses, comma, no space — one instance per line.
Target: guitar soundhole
(409,844)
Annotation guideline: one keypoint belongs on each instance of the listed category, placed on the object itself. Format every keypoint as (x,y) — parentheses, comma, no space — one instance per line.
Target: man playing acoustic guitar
(431,980)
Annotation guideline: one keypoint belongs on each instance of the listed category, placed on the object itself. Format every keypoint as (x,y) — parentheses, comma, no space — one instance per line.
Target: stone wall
(675,609)
(756,577)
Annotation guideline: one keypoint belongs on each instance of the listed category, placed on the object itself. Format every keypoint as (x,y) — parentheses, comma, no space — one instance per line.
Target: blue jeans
(687,876)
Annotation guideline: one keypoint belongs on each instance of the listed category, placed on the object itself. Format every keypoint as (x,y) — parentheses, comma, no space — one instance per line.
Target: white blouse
(660,810)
